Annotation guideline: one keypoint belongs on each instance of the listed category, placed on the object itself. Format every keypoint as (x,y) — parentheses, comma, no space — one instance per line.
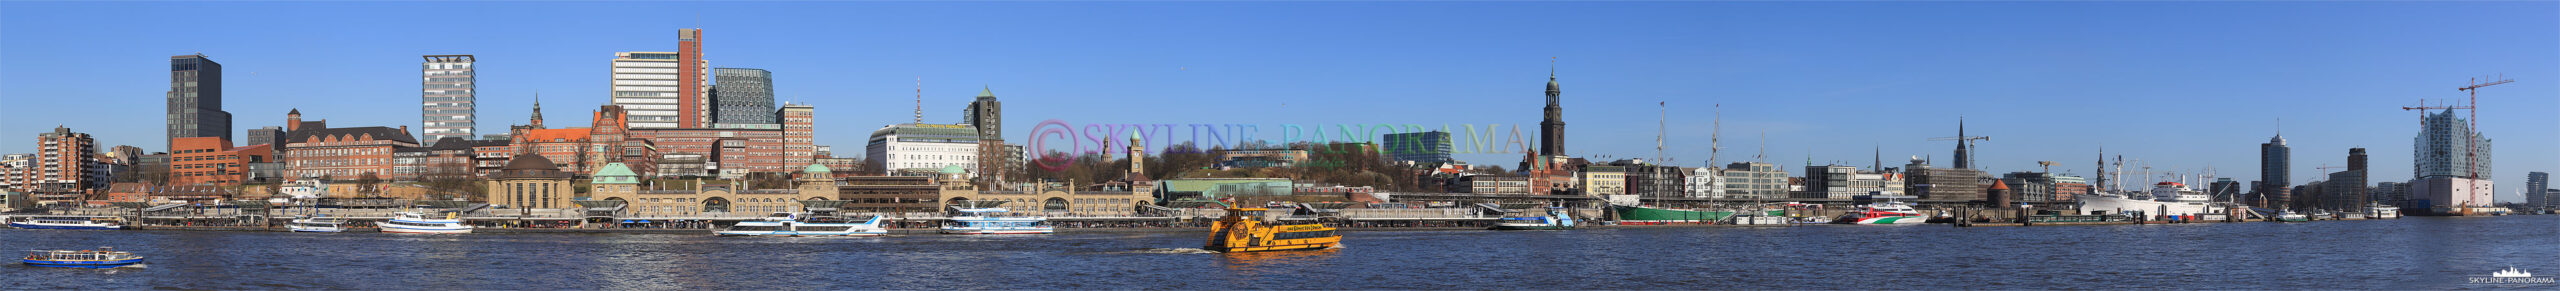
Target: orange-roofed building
(582,150)
(566,148)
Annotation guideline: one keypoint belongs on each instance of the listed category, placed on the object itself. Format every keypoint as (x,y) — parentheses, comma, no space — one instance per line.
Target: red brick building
(65,168)
(129,192)
(734,151)
(799,131)
(343,153)
(2065,191)
(211,160)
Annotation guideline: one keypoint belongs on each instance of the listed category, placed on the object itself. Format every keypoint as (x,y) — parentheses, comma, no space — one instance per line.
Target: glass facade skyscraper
(742,96)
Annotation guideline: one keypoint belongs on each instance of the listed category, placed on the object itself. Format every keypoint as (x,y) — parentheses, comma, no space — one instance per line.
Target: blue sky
(2180,85)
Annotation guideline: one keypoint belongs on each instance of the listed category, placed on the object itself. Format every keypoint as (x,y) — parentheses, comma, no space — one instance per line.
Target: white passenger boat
(983,221)
(2378,211)
(790,224)
(2165,198)
(68,223)
(1555,219)
(1886,210)
(319,223)
(412,222)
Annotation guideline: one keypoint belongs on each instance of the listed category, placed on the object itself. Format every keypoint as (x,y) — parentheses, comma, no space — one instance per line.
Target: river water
(2413,253)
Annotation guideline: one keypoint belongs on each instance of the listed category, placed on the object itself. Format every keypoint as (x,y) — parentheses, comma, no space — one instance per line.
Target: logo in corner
(2511,272)
(2512,276)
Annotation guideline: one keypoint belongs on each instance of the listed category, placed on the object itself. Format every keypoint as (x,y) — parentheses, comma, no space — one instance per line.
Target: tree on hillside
(450,179)
(369,184)
(766,180)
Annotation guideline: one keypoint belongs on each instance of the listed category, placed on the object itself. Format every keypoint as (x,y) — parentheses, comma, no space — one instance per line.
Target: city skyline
(2187,90)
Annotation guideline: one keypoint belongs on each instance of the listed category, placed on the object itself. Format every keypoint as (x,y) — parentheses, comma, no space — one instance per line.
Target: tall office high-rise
(2275,161)
(2537,190)
(446,94)
(195,98)
(742,96)
(2348,190)
(987,114)
(665,89)
(694,81)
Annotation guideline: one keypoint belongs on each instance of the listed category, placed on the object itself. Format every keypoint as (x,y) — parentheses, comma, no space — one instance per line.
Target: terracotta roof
(547,135)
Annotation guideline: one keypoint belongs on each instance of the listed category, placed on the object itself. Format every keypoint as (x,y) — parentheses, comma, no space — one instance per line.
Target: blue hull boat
(81,259)
(64,225)
(83,264)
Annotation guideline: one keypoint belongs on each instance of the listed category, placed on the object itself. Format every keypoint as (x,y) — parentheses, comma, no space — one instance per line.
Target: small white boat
(321,223)
(790,224)
(979,221)
(1555,219)
(2290,216)
(412,222)
(68,223)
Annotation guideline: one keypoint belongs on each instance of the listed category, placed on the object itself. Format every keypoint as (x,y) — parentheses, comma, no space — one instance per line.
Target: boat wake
(1170,251)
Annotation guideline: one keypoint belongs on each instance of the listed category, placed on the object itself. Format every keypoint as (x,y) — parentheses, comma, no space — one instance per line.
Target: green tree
(369,185)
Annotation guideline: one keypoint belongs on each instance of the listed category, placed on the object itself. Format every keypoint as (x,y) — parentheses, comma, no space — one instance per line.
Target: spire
(1552,88)
(1551,131)
(2279,139)
(987,92)
(1964,159)
(537,109)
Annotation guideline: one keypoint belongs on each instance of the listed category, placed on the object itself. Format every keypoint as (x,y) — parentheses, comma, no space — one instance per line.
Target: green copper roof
(987,92)
(952,169)
(616,173)
(817,169)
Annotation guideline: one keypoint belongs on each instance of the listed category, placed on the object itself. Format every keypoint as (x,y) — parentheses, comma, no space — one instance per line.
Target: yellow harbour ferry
(1248,230)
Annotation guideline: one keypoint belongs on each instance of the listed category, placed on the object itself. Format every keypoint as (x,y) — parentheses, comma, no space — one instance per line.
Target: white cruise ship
(790,224)
(2165,198)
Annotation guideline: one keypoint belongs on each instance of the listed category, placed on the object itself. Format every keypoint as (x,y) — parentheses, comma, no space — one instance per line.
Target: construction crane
(2471,151)
(1964,145)
(2048,166)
